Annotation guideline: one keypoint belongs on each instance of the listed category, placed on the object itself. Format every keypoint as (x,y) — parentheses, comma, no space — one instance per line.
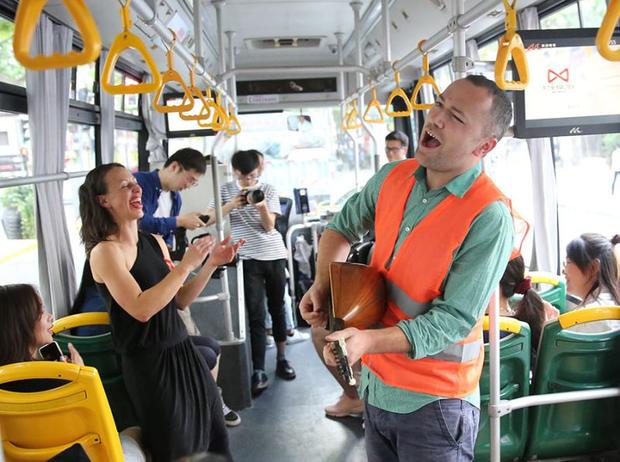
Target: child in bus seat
(591,271)
(531,309)
(25,326)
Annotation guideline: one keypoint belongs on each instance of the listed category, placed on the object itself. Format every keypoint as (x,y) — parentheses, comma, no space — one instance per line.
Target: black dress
(175,397)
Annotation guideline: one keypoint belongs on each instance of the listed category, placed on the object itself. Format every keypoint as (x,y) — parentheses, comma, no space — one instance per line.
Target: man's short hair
(500,113)
(397,135)
(189,159)
(246,161)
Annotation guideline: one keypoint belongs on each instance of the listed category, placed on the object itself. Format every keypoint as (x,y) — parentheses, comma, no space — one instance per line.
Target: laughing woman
(176,399)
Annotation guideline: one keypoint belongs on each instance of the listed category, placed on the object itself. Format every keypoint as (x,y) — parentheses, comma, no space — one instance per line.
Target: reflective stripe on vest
(414,277)
(404,302)
(460,353)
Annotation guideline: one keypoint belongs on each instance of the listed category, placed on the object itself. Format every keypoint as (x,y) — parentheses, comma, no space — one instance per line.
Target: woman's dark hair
(530,308)
(20,309)
(589,247)
(86,283)
(97,223)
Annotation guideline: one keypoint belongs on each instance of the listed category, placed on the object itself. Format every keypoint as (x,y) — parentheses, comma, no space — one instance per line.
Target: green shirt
(475,272)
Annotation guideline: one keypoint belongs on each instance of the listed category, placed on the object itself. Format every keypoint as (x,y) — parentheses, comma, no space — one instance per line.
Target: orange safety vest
(414,280)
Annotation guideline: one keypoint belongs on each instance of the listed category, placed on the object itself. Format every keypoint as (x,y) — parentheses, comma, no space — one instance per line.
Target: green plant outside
(22,199)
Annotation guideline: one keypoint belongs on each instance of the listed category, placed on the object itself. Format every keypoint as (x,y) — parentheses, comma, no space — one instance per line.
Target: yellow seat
(36,426)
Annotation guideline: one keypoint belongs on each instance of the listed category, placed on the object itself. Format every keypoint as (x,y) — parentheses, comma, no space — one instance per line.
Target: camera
(254,196)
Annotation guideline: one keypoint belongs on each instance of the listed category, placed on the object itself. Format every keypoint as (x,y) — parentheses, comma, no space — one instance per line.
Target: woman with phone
(176,399)
(26,328)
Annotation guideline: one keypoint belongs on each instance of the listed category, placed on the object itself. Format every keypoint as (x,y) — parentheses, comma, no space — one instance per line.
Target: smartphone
(51,352)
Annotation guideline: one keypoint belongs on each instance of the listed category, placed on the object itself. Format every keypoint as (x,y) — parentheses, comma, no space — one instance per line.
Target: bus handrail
(26,20)
(398,92)
(233,127)
(606,31)
(510,44)
(171,75)
(425,79)
(218,122)
(122,42)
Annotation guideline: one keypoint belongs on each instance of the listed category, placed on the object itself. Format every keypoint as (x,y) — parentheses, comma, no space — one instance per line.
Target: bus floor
(287,423)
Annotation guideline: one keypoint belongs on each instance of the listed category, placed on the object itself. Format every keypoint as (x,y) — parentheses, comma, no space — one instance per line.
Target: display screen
(573,90)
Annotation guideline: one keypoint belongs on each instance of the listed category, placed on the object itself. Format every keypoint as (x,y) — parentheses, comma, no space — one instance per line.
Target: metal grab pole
(479,10)
(460,49)
(219,224)
(494,419)
(149,18)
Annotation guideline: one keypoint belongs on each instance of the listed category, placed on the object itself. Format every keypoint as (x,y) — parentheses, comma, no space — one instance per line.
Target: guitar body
(358,300)
(358,296)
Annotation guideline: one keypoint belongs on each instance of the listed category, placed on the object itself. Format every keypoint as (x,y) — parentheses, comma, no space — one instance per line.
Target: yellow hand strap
(26,19)
(426,79)
(170,75)
(510,44)
(398,93)
(196,92)
(352,119)
(122,42)
(219,119)
(373,104)
(606,31)
(233,126)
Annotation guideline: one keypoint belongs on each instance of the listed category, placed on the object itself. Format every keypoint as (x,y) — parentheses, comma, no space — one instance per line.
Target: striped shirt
(245,223)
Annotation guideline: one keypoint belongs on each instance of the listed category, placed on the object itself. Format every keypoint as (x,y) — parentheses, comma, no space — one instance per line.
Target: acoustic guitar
(358,299)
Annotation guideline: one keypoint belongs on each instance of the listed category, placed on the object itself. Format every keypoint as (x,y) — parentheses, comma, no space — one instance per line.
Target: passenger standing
(264,260)
(443,238)
(349,404)
(161,200)
(396,145)
(168,381)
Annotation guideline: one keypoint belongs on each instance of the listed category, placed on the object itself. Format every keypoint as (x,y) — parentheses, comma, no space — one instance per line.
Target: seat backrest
(98,351)
(286,204)
(36,426)
(572,361)
(514,379)
(555,293)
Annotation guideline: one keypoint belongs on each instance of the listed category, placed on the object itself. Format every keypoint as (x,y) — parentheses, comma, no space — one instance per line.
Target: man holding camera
(161,200)
(253,207)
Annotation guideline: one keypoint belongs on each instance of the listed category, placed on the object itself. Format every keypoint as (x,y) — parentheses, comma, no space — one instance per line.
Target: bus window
(84,82)
(587,194)
(592,12)
(126,148)
(18,242)
(10,70)
(509,166)
(564,18)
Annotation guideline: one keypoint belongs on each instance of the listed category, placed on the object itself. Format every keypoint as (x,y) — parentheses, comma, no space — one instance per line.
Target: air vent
(274,43)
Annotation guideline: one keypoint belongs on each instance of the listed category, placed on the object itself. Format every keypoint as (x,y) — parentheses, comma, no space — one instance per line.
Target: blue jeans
(442,431)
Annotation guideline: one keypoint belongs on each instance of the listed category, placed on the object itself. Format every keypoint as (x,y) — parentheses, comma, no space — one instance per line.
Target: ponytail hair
(530,308)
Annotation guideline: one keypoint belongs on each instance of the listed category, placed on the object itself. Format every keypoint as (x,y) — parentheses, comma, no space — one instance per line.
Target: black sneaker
(259,382)
(284,370)
(231,418)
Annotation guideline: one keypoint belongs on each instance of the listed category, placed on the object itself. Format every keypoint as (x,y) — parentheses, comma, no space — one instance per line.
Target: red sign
(552,75)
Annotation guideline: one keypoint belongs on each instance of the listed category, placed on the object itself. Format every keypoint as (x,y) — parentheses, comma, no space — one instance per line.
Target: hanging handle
(426,79)
(606,32)
(398,93)
(26,19)
(510,44)
(373,104)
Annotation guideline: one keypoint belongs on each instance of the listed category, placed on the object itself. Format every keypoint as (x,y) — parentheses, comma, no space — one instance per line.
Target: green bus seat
(515,353)
(572,361)
(98,351)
